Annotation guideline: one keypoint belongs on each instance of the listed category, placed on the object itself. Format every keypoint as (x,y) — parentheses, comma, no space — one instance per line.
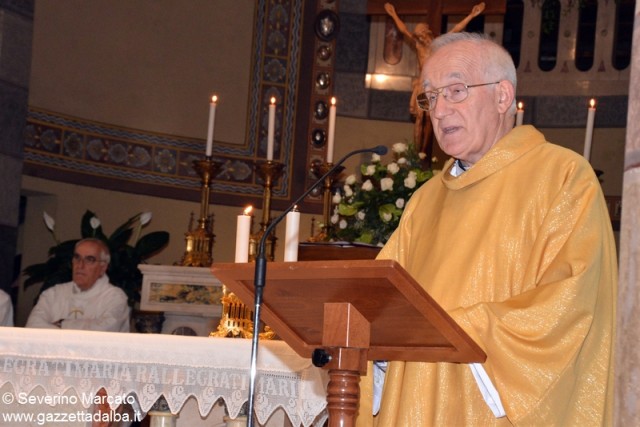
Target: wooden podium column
(346,338)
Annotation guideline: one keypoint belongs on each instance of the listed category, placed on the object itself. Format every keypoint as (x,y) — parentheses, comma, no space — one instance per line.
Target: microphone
(261,268)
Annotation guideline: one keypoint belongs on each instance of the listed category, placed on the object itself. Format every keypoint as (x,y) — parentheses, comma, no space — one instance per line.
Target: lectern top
(406,323)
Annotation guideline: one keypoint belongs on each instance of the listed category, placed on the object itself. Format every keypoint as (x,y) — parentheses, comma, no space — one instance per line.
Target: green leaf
(125,228)
(119,239)
(423,175)
(365,237)
(151,243)
(347,210)
(389,209)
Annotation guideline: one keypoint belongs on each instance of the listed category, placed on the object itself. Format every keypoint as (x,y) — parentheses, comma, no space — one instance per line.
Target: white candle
(332,130)
(589,134)
(212,122)
(519,114)
(243,230)
(271,128)
(292,236)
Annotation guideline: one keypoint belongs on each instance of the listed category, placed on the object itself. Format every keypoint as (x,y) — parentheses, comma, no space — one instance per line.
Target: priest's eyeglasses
(453,93)
(87,260)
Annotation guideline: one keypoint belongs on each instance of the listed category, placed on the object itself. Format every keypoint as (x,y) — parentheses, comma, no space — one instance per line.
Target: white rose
(334,219)
(422,155)
(410,181)
(386,217)
(371,169)
(399,147)
(348,192)
(375,157)
(393,168)
(337,198)
(343,224)
(351,179)
(386,184)
(367,185)
(400,203)
(402,160)
(360,215)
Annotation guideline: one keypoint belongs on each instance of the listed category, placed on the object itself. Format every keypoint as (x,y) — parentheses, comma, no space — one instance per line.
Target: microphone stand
(260,272)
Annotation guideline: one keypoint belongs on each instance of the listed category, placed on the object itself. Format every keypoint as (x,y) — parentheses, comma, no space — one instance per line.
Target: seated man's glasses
(88,260)
(453,93)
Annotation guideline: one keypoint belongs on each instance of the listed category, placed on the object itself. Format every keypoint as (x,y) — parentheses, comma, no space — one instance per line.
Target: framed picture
(177,289)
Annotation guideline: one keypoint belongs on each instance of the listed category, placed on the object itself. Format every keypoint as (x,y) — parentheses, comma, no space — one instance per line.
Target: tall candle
(243,230)
(588,136)
(331,130)
(292,236)
(520,114)
(212,122)
(271,128)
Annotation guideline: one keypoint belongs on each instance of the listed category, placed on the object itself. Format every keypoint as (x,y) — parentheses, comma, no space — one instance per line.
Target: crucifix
(420,40)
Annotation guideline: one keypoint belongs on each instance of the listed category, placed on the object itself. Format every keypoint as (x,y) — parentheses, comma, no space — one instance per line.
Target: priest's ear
(505,94)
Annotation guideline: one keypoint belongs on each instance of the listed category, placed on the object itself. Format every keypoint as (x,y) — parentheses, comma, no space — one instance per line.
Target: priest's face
(88,264)
(466,120)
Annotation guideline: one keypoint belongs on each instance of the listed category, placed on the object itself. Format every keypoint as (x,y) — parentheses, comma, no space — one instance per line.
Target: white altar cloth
(150,365)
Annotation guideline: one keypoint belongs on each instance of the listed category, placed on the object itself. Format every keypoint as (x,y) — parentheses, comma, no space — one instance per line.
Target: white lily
(145,218)
(50,222)
(94,222)
(51,225)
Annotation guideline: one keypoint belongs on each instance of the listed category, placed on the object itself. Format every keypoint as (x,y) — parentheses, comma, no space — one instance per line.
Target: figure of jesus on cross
(420,39)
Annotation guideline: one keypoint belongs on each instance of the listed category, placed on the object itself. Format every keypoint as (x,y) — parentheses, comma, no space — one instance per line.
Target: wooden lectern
(343,313)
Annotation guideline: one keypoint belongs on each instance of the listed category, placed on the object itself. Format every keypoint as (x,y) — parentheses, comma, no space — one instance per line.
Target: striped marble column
(627,396)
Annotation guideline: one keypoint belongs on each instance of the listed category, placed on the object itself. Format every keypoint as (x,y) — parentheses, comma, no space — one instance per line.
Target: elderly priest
(89,301)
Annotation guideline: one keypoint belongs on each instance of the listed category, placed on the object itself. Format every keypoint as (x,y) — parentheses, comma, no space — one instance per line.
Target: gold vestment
(519,251)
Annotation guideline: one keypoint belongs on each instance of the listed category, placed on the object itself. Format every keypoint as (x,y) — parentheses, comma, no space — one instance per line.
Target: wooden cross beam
(435,9)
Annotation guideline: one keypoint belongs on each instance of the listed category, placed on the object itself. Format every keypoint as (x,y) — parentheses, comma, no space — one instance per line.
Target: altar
(60,371)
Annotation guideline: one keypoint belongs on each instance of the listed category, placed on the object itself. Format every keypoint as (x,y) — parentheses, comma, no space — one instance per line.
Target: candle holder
(199,242)
(237,318)
(270,171)
(319,169)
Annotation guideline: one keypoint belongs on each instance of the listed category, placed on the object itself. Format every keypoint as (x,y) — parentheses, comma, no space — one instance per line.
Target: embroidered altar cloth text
(147,366)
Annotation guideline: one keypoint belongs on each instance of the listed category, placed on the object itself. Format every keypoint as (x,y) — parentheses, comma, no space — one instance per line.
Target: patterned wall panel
(74,149)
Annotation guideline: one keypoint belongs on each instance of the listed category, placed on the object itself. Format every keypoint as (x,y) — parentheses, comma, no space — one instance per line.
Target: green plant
(369,210)
(125,256)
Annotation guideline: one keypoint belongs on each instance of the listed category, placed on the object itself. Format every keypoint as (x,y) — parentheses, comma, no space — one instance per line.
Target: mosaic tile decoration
(106,156)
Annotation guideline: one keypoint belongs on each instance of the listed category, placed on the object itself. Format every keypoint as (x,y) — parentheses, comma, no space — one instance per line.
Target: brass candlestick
(270,172)
(199,242)
(237,318)
(319,169)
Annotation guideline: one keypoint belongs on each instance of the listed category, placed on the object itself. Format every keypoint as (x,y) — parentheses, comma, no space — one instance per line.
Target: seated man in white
(6,309)
(89,301)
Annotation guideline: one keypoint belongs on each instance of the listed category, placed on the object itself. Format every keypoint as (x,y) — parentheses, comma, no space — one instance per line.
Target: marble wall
(627,399)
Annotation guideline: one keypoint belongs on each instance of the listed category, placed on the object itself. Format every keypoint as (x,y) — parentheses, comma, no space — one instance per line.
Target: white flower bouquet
(368,211)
